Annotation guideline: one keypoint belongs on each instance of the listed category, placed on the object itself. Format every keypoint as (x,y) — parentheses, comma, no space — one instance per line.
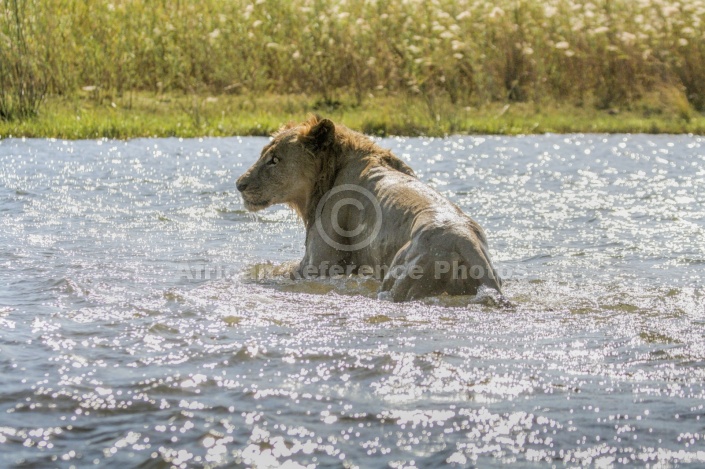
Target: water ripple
(131,334)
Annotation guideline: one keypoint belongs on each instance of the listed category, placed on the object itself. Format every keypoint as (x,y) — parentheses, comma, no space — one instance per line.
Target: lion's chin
(256,206)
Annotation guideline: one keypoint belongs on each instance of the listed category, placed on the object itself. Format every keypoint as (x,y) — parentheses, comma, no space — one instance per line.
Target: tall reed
(606,53)
(22,75)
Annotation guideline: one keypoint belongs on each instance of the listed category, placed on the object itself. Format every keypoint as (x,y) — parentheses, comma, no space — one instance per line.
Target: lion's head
(289,167)
(301,162)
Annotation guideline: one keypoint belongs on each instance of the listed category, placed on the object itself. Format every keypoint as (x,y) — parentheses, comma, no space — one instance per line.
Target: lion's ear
(319,136)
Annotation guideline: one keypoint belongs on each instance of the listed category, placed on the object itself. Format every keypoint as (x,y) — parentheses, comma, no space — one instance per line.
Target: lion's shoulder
(389,160)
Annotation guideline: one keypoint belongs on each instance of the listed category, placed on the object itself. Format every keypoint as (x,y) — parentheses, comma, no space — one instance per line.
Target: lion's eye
(273,161)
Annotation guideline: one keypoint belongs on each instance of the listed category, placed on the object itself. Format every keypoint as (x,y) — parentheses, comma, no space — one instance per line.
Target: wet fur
(420,228)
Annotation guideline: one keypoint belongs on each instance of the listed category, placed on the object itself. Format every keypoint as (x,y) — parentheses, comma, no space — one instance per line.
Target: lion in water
(366,213)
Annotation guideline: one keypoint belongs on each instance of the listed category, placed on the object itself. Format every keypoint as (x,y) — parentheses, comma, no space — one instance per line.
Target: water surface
(129,334)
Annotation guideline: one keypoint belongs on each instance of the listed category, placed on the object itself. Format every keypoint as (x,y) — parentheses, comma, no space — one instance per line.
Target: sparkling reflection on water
(128,335)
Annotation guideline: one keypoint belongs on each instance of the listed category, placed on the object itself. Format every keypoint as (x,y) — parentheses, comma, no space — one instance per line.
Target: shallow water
(131,335)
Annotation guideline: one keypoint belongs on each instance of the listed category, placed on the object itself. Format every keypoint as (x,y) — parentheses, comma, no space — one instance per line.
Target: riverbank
(134,115)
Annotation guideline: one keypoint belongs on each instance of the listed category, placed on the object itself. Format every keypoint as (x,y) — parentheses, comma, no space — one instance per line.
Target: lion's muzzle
(242,183)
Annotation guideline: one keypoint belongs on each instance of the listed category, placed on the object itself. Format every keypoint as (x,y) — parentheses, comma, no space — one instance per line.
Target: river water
(132,335)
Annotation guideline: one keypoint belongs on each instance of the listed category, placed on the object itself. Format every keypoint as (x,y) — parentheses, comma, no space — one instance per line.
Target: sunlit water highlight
(129,336)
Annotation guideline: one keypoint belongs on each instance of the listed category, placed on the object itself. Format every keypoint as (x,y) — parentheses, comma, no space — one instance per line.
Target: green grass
(146,115)
(384,66)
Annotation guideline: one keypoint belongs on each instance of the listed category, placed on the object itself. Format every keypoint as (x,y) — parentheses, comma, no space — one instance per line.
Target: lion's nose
(241,184)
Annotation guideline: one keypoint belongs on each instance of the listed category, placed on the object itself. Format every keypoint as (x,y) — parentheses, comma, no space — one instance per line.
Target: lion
(366,213)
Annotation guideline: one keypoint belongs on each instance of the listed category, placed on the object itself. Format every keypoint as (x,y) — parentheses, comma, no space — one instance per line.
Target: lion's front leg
(321,259)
